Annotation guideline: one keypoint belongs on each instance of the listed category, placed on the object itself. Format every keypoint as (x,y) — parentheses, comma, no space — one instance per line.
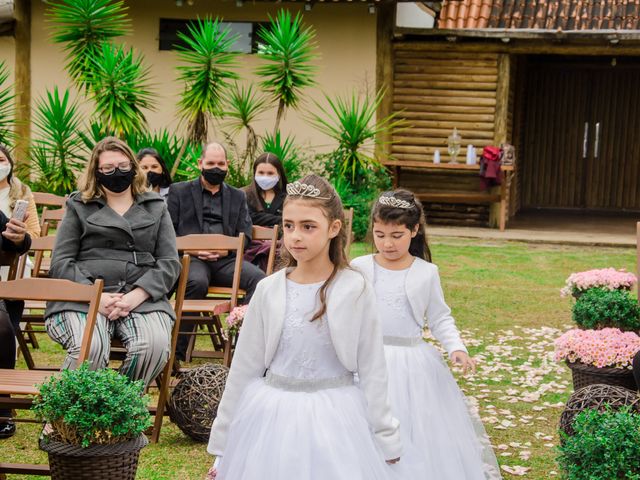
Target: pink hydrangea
(608,278)
(234,321)
(609,347)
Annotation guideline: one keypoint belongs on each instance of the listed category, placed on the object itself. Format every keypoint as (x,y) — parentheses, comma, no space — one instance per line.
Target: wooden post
(497,214)
(23,78)
(384,71)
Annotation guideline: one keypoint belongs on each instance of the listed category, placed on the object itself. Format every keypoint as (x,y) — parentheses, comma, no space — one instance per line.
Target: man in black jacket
(14,239)
(208,205)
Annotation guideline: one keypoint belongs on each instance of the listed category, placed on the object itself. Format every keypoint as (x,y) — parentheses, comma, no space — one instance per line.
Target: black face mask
(214,176)
(117,182)
(154,179)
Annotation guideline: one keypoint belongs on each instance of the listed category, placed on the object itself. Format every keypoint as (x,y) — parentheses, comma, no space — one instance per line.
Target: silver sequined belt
(402,341)
(307,385)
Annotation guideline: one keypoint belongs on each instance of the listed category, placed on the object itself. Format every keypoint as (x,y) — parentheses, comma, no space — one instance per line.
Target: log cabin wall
(435,91)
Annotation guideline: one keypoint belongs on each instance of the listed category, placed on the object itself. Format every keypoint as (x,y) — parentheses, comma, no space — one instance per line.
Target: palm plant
(58,152)
(243,107)
(83,26)
(286,150)
(350,121)
(119,84)
(208,66)
(7,100)
(288,49)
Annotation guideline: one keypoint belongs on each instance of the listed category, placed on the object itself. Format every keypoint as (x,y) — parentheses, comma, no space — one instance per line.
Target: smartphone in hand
(20,210)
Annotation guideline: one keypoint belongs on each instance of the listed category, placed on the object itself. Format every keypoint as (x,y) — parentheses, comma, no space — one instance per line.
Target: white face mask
(5,170)
(267,182)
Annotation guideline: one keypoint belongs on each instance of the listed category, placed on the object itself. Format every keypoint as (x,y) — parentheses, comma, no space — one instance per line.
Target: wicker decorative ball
(596,397)
(194,402)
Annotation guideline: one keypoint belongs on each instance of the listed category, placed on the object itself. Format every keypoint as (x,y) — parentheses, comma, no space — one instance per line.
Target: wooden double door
(581,134)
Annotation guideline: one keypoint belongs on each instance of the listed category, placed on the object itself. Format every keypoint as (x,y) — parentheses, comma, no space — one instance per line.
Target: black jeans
(10,315)
(218,273)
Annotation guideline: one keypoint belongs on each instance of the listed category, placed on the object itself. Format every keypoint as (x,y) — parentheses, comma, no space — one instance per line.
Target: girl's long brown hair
(331,207)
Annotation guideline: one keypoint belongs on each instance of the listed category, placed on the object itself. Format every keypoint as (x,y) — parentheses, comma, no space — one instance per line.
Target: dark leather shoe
(7,429)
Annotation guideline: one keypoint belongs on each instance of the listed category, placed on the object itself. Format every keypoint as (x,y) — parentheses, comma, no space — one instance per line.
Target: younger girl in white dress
(290,409)
(434,417)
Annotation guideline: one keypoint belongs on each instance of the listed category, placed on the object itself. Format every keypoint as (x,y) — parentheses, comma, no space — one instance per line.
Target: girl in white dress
(434,416)
(291,409)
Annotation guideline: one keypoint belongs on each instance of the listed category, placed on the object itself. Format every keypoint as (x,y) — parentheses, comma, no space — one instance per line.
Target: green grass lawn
(505,297)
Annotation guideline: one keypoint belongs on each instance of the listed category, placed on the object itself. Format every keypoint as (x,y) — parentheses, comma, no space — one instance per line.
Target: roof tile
(541,14)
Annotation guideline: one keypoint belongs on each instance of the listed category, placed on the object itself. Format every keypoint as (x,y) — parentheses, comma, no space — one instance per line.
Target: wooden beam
(23,78)
(384,72)
(502,99)
(546,47)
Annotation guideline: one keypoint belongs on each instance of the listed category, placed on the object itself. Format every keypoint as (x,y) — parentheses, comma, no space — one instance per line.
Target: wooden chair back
(45,199)
(54,290)
(165,380)
(49,218)
(210,242)
(271,234)
(348,225)
(39,246)
(638,255)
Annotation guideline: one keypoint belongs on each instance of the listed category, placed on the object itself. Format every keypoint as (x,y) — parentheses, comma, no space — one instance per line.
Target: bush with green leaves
(88,407)
(600,308)
(605,445)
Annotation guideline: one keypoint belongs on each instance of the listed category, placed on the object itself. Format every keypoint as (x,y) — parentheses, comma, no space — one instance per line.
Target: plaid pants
(146,336)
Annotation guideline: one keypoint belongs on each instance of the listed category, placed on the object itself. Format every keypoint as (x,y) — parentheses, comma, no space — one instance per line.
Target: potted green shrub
(605,445)
(600,308)
(95,424)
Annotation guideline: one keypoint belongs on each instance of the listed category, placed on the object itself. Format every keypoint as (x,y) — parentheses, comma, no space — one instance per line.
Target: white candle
(436,156)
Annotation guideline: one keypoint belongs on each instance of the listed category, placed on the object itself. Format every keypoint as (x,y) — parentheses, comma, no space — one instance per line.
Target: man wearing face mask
(208,205)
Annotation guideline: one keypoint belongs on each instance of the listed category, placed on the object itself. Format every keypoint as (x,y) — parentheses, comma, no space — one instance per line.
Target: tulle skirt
(435,418)
(278,434)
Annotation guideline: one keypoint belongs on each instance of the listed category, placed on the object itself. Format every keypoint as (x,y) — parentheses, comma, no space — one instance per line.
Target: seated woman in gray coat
(114,229)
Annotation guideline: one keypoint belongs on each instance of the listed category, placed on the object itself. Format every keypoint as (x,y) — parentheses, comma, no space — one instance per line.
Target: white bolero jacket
(426,299)
(357,337)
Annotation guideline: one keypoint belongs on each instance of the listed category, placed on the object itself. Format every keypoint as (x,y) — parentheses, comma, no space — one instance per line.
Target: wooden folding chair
(44,199)
(23,383)
(164,380)
(213,307)
(50,218)
(41,247)
(348,225)
(271,234)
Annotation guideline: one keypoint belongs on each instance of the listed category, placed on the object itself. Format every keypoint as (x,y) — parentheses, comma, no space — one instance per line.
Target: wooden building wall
(435,91)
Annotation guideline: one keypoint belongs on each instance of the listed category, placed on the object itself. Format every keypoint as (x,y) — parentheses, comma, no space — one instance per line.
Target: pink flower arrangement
(234,321)
(608,278)
(609,347)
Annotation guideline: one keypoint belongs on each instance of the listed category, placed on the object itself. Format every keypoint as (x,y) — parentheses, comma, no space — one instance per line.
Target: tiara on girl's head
(391,201)
(304,190)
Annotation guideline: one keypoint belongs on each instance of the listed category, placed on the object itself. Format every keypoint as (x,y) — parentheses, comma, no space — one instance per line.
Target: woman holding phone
(12,190)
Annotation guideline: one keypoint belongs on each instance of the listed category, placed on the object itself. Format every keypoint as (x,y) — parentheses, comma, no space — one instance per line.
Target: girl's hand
(462,358)
(107,303)
(211,474)
(395,460)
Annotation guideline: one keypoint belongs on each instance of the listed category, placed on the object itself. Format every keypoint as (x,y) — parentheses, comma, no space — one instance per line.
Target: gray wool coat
(137,249)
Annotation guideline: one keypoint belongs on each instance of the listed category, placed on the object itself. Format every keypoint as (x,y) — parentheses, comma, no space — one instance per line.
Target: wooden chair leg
(24,349)
(33,340)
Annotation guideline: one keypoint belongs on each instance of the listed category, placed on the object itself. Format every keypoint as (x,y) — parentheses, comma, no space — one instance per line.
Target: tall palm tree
(83,26)
(287,47)
(208,64)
